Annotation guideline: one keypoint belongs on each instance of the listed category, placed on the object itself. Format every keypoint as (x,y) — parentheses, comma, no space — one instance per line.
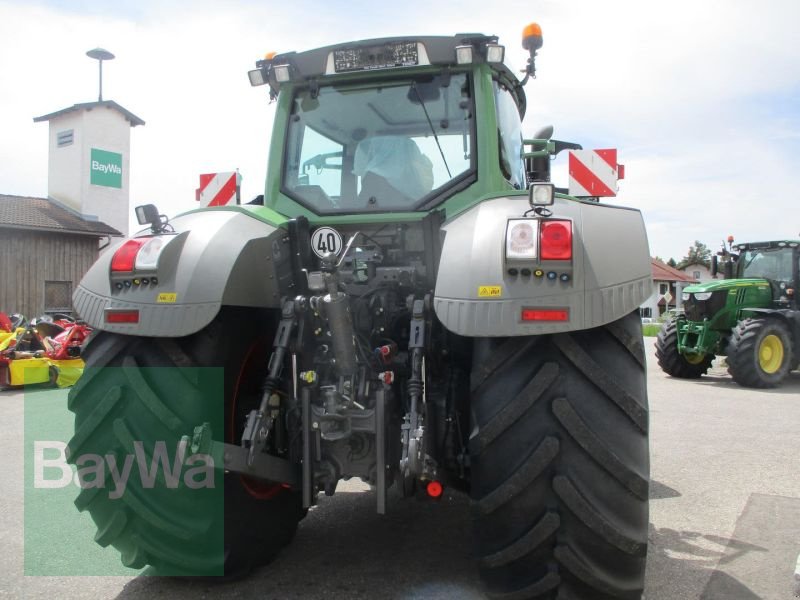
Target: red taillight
(122,316)
(556,240)
(125,256)
(434,489)
(545,314)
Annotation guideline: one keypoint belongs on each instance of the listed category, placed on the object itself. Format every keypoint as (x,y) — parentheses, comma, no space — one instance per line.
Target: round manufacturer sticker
(326,240)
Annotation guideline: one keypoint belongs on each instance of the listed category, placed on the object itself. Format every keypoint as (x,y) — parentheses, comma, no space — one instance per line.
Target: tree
(698,254)
(671,262)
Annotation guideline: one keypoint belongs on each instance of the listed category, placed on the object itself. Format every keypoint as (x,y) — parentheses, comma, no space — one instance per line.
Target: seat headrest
(398,160)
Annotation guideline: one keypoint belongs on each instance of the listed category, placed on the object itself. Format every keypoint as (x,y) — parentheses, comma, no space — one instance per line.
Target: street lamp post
(99,54)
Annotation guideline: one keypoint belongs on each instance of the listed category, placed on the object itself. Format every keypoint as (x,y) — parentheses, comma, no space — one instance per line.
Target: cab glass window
(509,132)
(396,146)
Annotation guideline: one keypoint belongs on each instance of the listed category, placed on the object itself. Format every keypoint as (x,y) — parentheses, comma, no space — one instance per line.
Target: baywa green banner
(106,168)
(122,475)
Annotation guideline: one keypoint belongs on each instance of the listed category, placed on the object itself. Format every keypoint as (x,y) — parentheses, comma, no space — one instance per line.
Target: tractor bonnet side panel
(216,258)
(608,277)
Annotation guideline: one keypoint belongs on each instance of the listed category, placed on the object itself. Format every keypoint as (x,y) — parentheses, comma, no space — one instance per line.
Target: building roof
(131,118)
(41,214)
(663,272)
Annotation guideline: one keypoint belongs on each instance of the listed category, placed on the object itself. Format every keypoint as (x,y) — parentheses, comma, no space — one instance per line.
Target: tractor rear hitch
(264,466)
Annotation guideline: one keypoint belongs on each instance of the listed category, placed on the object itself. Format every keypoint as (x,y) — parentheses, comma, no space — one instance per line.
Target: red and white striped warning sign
(218,189)
(594,172)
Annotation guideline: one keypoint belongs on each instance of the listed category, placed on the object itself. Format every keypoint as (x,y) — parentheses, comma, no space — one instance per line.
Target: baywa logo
(106,168)
(52,471)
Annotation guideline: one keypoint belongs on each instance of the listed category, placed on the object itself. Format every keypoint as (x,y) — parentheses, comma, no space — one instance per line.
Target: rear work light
(545,314)
(125,256)
(556,240)
(122,316)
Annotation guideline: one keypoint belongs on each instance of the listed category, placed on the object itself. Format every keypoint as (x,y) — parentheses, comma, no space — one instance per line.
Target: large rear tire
(114,406)
(760,352)
(560,463)
(674,363)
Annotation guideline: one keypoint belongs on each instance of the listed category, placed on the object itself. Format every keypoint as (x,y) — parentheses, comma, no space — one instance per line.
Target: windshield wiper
(433,130)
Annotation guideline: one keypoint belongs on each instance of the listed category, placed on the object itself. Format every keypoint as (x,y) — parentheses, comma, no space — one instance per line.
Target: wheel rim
(770,354)
(694,359)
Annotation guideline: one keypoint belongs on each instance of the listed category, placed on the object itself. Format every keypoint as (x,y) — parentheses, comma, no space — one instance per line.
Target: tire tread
(571,516)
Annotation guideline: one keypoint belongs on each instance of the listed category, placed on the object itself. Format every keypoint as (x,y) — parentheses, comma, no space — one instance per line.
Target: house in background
(698,272)
(668,284)
(45,249)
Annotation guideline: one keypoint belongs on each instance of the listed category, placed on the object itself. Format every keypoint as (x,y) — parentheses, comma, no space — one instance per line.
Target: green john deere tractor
(411,303)
(753,319)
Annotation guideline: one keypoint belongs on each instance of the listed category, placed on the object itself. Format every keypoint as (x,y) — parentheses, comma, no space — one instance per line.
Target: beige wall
(64,165)
(705,272)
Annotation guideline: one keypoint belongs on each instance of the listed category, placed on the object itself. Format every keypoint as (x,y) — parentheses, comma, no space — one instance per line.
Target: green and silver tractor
(411,303)
(753,319)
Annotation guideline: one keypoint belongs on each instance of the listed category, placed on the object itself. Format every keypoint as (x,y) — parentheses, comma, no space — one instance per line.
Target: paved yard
(725,516)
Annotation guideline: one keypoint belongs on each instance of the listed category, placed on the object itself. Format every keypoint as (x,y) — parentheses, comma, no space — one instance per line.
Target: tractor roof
(385,55)
(771,244)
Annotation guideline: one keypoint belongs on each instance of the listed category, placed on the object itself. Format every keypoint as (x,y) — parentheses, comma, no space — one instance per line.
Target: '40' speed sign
(325,240)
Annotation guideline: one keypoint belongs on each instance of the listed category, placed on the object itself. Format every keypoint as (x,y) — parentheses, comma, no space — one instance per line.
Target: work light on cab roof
(275,69)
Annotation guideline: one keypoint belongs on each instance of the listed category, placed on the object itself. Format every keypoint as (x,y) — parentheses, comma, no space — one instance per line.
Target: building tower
(89,158)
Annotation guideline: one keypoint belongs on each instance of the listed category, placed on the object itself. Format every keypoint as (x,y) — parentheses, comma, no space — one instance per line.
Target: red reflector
(556,240)
(545,314)
(125,256)
(434,489)
(122,316)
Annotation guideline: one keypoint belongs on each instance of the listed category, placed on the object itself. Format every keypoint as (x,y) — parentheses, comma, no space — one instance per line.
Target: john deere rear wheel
(760,352)
(560,463)
(114,406)
(673,362)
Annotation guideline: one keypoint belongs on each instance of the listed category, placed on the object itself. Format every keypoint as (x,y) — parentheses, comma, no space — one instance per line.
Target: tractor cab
(392,125)
(777,262)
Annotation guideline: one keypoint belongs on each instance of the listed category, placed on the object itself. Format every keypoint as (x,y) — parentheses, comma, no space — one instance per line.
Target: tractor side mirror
(729,269)
(714,266)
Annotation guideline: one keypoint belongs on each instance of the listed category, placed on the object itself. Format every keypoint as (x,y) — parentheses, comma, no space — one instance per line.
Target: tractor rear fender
(214,258)
(478,294)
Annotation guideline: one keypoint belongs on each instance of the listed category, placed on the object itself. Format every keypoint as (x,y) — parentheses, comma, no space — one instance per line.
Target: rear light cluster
(528,239)
(530,245)
(138,254)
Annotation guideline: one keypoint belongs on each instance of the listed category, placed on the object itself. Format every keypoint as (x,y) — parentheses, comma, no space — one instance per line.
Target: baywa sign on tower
(106,168)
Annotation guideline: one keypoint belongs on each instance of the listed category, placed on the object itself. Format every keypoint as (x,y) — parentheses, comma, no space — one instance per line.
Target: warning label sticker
(167,298)
(490,291)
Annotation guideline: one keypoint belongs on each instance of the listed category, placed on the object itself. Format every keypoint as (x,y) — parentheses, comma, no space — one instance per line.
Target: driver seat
(393,170)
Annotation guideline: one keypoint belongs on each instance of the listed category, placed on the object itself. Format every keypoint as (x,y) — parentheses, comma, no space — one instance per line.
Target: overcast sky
(702,98)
